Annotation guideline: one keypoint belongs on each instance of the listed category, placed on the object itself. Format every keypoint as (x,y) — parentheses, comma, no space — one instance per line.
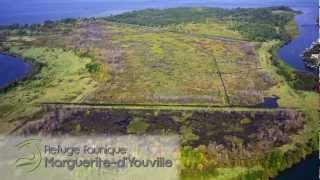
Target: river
(37,11)
(308,31)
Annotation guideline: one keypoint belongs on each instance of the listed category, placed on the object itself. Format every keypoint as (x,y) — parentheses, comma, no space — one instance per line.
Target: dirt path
(222,81)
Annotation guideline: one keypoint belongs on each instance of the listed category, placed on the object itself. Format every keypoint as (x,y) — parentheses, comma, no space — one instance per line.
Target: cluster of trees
(35,27)
(314,50)
(204,160)
(256,24)
(21,26)
(312,57)
(98,70)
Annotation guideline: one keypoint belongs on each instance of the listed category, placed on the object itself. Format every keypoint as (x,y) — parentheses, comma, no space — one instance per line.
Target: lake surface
(12,69)
(37,11)
(306,170)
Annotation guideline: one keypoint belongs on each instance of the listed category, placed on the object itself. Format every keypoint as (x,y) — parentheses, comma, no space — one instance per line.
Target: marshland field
(210,75)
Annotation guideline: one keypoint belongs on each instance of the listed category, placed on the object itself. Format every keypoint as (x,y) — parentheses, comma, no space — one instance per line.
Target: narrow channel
(308,33)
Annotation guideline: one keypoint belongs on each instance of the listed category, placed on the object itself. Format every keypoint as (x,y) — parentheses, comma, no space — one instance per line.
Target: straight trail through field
(59,105)
(222,81)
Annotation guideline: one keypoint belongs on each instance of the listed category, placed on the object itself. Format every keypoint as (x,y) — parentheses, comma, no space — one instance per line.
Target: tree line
(259,24)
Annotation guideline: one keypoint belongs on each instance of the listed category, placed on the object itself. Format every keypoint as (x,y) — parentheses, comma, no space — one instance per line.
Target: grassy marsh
(183,56)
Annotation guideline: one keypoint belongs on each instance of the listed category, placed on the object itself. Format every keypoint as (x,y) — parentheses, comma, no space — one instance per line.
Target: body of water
(306,170)
(12,69)
(37,11)
(309,33)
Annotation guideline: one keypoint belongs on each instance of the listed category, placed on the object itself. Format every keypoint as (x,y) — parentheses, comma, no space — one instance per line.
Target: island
(206,74)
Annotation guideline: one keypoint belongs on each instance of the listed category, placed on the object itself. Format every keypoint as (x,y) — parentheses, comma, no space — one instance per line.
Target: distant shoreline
(23,25)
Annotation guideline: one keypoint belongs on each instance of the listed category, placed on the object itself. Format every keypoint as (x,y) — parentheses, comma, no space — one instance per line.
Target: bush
(99,71)
(138,126)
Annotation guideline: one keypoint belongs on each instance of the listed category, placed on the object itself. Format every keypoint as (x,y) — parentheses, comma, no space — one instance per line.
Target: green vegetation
(138,126)
(63,77)
(293,92)
(292,29)
(255,24)
(165,59)
(210,28)
(187,134)
(99,71)
(213,147)
(312,58)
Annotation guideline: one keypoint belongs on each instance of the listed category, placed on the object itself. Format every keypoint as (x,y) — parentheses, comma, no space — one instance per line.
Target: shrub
(138,126)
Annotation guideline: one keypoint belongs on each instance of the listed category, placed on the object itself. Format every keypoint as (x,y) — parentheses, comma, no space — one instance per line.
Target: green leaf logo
(30,157)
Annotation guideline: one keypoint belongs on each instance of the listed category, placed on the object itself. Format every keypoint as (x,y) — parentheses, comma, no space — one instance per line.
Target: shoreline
(38,66)
(287,69)
(35,69)
(93,17)
(283,174)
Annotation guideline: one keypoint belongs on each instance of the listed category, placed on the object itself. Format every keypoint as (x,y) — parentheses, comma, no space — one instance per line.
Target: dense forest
(255,24)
